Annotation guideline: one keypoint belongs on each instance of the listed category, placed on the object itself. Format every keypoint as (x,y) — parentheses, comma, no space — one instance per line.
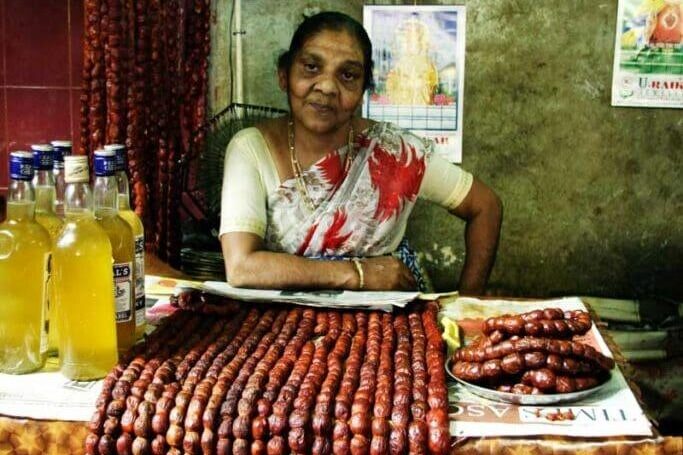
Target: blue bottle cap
(61,149)
(105,163)
(42,157)
(120,151)
(21,166)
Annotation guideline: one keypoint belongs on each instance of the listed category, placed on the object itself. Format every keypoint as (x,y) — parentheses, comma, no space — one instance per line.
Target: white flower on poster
(419,73)
(648,55)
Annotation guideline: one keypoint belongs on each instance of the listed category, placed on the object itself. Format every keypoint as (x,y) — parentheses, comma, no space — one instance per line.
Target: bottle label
(123,287)
(45,326)
(139,280)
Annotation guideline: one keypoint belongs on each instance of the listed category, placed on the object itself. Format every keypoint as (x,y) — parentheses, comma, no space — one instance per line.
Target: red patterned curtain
(145,84)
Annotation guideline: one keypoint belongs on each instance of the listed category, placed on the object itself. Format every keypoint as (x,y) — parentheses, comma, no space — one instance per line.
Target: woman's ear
(282,79)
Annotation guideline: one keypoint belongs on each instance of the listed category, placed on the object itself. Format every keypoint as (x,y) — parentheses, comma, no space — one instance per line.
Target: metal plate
(531,400)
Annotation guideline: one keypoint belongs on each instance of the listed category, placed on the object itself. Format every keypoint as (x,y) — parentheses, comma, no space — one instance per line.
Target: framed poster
(419,73)
(648,55)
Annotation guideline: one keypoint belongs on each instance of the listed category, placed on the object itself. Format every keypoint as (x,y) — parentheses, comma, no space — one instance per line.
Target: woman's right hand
(387,273)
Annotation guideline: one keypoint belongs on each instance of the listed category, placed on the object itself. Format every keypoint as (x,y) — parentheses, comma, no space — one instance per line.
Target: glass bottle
(135,223)
(82,258)
(44,187)
(24,274)
(61,149)
(106,196)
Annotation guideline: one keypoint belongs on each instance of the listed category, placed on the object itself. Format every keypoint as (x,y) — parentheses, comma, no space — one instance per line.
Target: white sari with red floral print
(361,210)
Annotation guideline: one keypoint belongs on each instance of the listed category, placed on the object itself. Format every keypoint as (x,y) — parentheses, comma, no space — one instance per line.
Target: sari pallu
(361,206)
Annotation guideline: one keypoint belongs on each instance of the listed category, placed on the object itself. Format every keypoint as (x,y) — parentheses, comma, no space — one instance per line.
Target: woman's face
(325,82)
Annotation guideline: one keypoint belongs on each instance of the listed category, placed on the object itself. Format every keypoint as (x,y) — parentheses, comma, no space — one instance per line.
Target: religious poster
(419,73)
(648,56)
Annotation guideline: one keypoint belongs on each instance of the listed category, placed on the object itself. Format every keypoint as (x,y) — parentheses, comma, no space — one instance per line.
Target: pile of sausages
(278,379)
(145,81)
(533,353)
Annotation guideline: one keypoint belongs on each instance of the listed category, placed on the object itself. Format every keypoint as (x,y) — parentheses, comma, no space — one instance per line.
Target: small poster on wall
(419,73)
(648,56)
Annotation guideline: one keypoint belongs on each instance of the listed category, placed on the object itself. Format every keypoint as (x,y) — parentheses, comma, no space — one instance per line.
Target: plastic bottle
(44,187)
(24,274)
(138,233)
(82,259)
(61,149)
(106,197)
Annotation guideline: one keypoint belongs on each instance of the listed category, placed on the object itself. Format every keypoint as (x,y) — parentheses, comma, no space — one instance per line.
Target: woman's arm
(482,209)
(248,265)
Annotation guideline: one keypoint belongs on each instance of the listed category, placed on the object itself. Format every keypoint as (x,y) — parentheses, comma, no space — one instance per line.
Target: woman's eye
(310,67)
(349,76)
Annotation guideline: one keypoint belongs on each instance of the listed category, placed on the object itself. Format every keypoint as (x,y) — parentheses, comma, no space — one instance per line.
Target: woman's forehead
(334,44)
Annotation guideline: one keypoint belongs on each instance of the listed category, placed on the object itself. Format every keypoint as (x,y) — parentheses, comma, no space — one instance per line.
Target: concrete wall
(592,193)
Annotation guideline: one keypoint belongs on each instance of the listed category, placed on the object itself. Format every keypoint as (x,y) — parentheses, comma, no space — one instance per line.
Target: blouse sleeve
(243,196)
(445,183)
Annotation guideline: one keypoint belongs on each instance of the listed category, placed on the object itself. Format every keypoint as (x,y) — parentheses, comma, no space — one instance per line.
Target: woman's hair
(329,20)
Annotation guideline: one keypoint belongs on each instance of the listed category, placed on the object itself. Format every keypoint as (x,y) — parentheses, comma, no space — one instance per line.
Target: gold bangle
(361,275)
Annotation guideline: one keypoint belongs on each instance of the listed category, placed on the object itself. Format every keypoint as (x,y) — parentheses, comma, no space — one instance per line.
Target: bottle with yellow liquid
(106,197)
(44,187)
(24,273)
(138,233)
(82,272)
(60,149)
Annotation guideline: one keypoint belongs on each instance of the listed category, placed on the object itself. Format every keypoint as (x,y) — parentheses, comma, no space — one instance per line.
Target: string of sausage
(516,363)
(321,422)
(550,323)
(565,348)
(437,395)
(145,83)
(341,433)
(544,380)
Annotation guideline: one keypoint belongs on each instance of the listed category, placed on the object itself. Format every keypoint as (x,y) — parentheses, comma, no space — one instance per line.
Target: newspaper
(612,411)
(160,288)
(384,301)
(160,285)
(48,395)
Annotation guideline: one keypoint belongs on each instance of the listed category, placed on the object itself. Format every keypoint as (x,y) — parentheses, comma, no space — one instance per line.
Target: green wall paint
(592,193)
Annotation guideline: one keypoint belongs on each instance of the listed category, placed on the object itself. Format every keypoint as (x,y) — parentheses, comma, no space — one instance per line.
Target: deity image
(414,77)
(656,23)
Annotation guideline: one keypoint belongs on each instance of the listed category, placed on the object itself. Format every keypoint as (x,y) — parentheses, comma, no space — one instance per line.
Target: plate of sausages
(532,358)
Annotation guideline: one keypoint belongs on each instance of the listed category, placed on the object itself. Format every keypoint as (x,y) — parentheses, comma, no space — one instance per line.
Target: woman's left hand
(387,273)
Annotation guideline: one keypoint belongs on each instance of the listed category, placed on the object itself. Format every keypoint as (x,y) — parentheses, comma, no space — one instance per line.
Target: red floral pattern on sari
(332,169)
(361,207)
(333,238)
(307,240)
(397,178)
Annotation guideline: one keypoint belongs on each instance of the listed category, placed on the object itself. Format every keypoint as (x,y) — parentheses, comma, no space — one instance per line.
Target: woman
(323,183)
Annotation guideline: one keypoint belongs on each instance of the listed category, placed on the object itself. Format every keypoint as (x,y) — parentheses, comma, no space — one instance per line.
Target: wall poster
(419,55)
(648,55)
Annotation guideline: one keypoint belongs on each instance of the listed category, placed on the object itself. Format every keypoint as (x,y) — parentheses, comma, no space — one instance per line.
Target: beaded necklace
(296,167)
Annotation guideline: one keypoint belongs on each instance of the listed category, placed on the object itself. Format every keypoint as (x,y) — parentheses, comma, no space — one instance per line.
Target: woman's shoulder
(249,134)
(247,145)
(256,138)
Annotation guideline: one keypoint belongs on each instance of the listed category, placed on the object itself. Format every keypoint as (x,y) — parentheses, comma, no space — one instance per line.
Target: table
(33,437)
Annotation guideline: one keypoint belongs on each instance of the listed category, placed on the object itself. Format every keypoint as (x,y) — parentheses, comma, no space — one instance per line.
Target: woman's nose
(326,85)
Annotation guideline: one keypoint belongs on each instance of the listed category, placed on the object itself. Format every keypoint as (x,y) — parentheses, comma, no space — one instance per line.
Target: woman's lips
(321,108)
